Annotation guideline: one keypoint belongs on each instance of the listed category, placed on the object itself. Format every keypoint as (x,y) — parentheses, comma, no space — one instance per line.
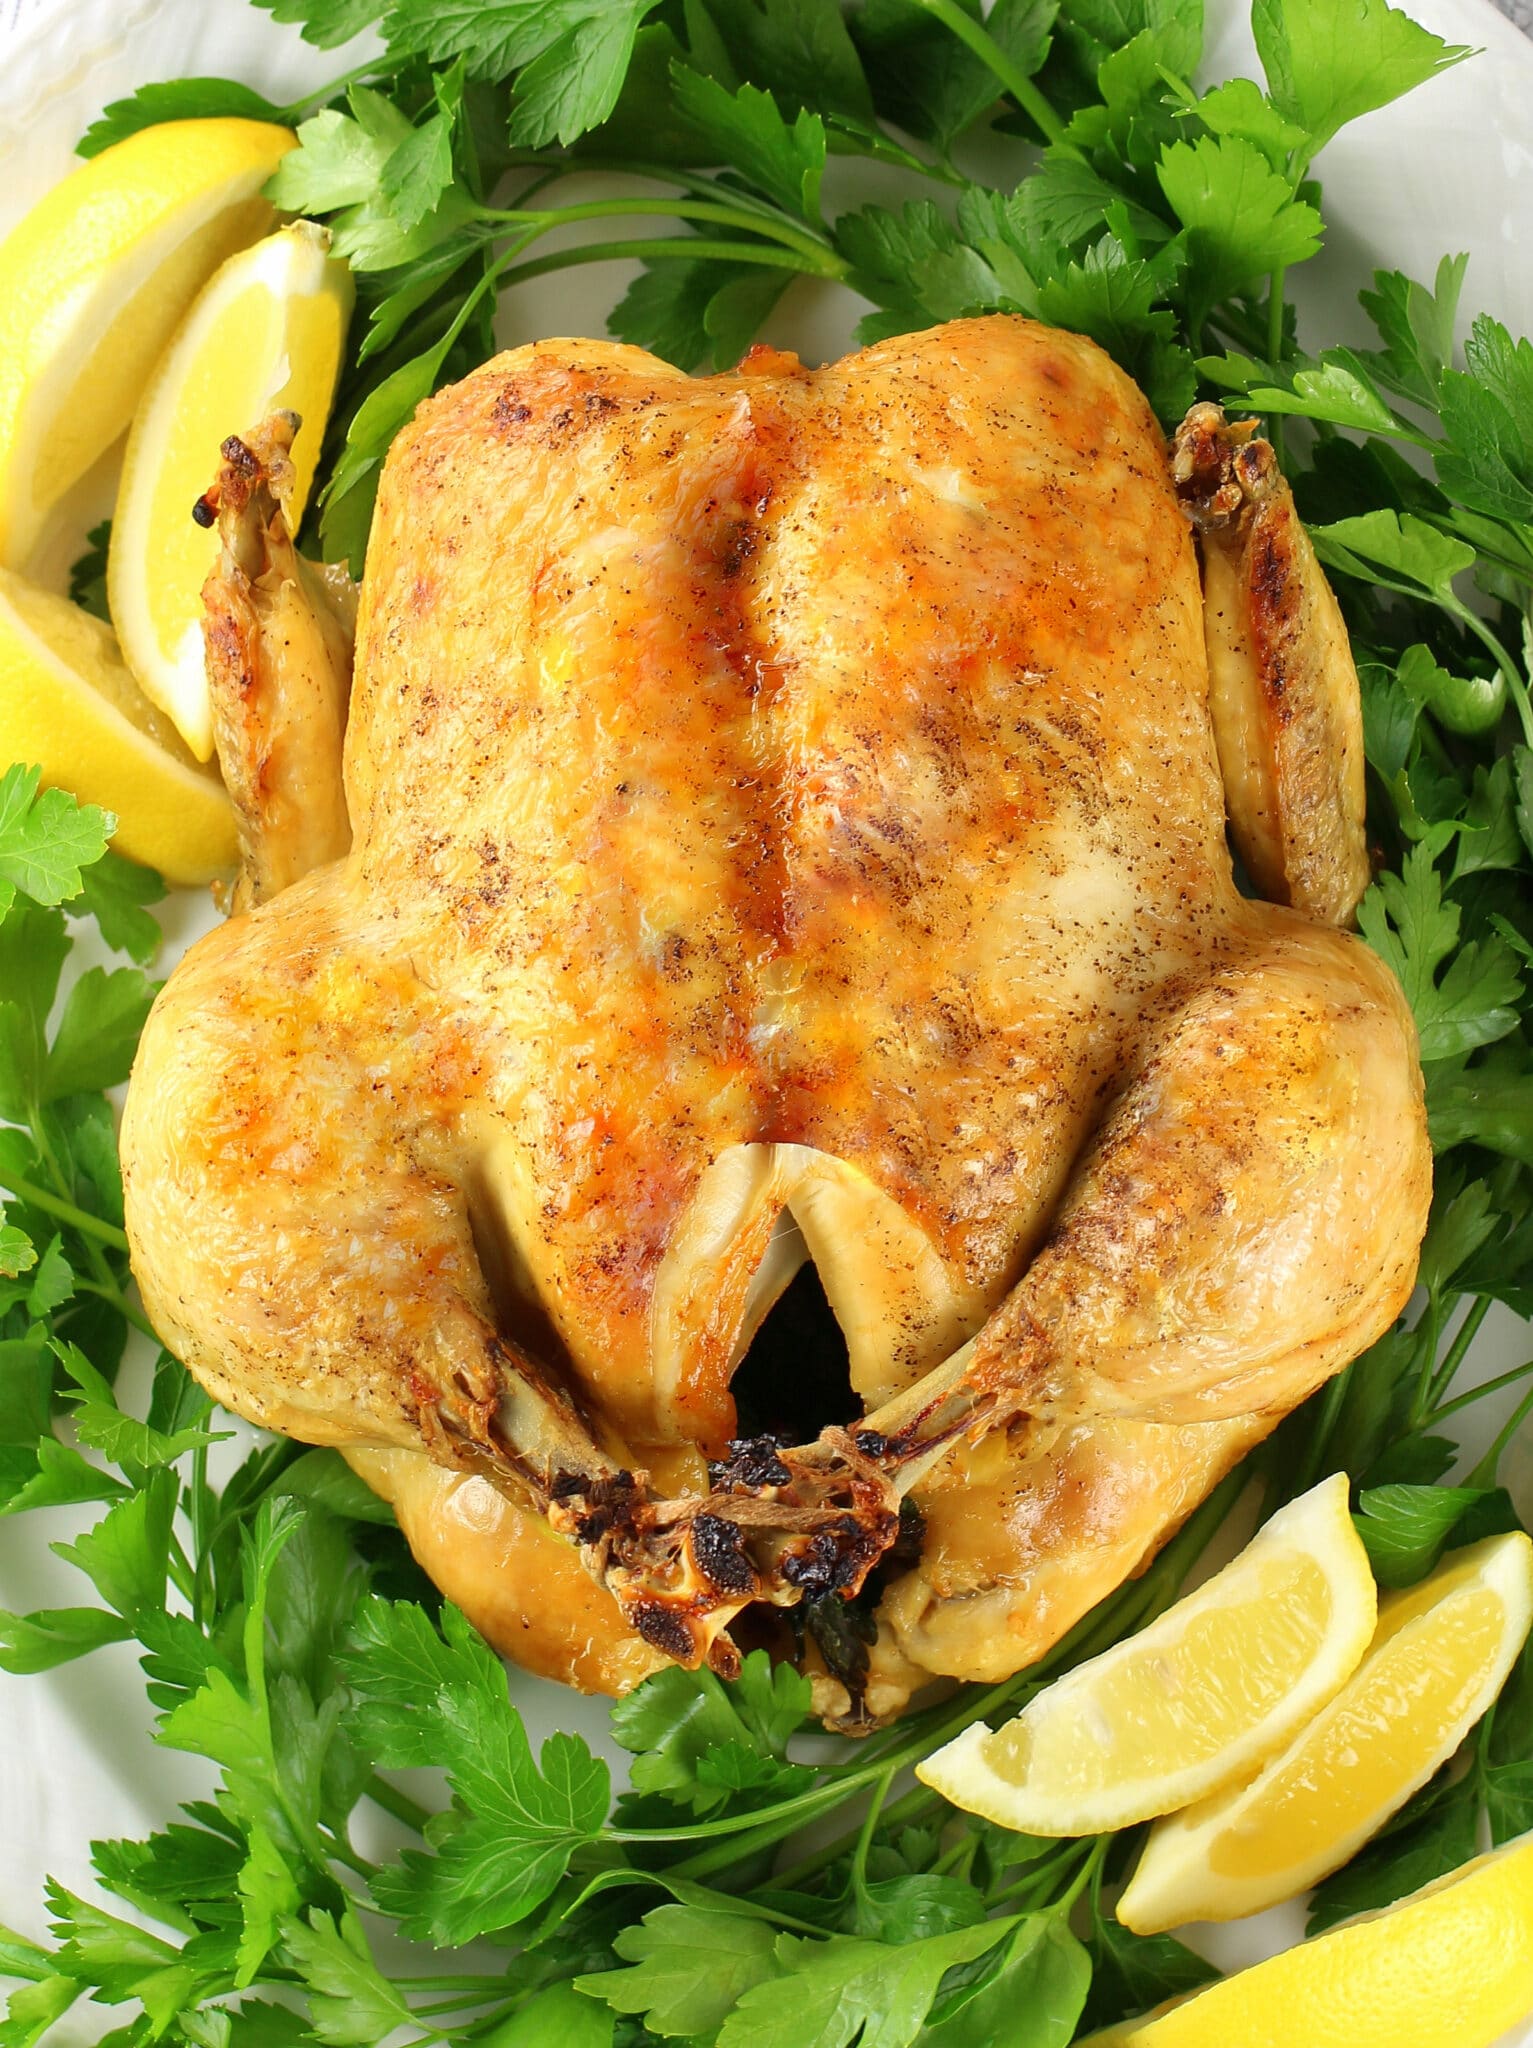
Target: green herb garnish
(748,1890)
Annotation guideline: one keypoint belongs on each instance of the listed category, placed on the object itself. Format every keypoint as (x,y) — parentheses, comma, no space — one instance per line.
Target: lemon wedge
(93,284)
(68,703)
(266,333)
(1449,1967)
(1441,1654)
(1193,1702)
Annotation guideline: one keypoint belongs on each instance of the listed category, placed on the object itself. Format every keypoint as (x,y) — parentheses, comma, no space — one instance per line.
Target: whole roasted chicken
(787,823)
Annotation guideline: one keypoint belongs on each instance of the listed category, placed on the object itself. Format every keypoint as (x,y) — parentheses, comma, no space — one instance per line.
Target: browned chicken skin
(788,823)
(279,636)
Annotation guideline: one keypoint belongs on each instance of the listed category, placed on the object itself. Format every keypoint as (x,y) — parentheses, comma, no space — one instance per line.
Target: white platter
(1450,168)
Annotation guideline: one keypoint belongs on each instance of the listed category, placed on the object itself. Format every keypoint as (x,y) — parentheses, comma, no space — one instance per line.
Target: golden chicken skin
(787,823)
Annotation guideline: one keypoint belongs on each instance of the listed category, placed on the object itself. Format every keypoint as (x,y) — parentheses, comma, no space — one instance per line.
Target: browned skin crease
(793,797)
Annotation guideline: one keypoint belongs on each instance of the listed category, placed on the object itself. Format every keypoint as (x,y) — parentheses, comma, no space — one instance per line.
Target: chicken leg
(1244,1224)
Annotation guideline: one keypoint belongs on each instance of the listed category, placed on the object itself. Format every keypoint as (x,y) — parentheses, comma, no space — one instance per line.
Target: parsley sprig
(1155,219)
(753,1887)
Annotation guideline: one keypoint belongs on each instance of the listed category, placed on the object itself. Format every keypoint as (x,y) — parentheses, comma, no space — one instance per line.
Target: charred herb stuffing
(751,1888)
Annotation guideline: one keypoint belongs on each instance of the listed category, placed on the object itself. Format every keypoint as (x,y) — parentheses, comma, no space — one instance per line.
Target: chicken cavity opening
(795,1378)
(886,1306)
(883,1304)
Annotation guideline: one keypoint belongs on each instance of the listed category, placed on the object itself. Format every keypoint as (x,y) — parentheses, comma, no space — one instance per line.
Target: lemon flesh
(1441,1654)
(266,333)
(69,704)
(93,284)
(1192,1703)
(1449,1967)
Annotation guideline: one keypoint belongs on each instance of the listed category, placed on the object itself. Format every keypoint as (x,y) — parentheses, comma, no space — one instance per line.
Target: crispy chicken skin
(789,822)
(278,635)
(1282,688)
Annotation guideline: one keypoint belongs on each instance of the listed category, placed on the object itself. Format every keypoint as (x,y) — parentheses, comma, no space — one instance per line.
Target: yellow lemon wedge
(267,333)
(1449,1967)
(1441,1654)
(93,284)
(68,703)
(1192,1703)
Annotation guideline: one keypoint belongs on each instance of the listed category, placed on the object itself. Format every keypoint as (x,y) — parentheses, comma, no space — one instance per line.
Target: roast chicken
(787,836)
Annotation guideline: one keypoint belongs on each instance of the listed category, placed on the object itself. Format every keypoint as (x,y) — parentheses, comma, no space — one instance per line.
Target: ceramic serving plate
(1449,168)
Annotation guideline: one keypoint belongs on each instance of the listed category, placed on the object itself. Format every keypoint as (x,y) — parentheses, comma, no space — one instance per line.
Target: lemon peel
(69,703)
(1451,1966)
(1441,1653)
(1193,1702)
(94,282)
(266,333)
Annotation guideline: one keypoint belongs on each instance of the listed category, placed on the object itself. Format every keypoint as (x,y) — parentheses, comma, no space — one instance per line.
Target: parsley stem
(268,1464)
(673,247)
(778,229)
(912,1807)
(1484,1474)
(884,149)
(869,1823)
(66,1212)
(764,1828)
(343,1853)
(1087,1874)
(399,1804)
(445,2005)
(1031,1889)
(1276,426)
(1504,1379)
(695,182)
(200,1506)
(375,67)
(989,52)
(105,1283)
(106,1291)
(958,1858)
(1425,1338)
(179,1566)
(1275,304)
(45,1149)
(1453,1358)
(1320,1435)
(486,1987)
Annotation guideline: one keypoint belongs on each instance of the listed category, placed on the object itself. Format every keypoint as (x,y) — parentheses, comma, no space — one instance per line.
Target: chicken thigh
(788,820)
